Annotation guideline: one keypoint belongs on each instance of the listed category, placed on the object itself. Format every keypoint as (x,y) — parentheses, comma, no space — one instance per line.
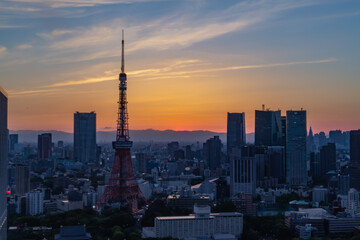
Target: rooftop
(3,92)
(73,233)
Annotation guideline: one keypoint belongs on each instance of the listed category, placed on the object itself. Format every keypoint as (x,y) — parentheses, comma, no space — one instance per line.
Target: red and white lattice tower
(122,187)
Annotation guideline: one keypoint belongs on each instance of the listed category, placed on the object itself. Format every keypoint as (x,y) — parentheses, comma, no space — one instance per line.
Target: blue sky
(189,62)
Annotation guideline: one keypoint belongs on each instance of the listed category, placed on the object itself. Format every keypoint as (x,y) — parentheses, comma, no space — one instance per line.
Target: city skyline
(233,57)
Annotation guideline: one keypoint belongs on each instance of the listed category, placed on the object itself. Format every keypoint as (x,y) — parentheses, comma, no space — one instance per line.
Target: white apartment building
(35,203)
(353,202)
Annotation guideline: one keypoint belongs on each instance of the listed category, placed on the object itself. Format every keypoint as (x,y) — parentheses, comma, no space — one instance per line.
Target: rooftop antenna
(122,54)
(263,107)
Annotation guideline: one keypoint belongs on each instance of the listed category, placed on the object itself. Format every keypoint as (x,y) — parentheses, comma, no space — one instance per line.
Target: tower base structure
(122,189)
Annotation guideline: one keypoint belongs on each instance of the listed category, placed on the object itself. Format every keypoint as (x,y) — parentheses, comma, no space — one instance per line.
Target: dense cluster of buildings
(284,159)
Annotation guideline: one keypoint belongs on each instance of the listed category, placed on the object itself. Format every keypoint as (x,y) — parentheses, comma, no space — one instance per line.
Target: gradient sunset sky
(189,62)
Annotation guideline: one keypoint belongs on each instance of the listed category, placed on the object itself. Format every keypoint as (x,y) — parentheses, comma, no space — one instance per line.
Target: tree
(118,235)
(226,206)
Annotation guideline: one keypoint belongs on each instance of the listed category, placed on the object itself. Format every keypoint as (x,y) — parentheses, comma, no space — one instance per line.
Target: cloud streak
(3,51)
(79,3)
(81,82)
(173,31)
(164,72)
(24,46)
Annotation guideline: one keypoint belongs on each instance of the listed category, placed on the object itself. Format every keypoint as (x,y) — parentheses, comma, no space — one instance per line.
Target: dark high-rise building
(140,162)
(336,136)
(354,169)
(22,179)
(60,144)
(243,170)
(172,147)
(85,137)
(4,134)
(310,142)
(315,165)
(236,135)
(189,154)
(276,166)
(327,158)
(344,184)
(13,141)
(355,146)
(283,131)
(212,152)
(44,146)
(296,133)
(322,139)
(268,128)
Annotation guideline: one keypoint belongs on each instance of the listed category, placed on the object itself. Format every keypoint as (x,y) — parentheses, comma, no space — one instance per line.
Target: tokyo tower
(122,188)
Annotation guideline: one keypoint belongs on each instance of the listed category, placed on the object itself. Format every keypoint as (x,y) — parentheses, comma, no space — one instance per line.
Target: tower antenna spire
(122,54)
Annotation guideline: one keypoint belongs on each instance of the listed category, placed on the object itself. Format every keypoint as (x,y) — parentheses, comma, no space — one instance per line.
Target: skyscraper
(315,165)
(276,162)
(236,136)
(355,146)
(310,142)
(268,128)
(327,158)
(4,133)
(140,162)
(283,131)
(85,137)
(296,169)
(44,146)
(355,159)
(22,179)
(13,141)
(243,170)
(212,152)
(337,137)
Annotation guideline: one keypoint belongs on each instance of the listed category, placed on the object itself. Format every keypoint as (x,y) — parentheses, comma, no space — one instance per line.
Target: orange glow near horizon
(183,95)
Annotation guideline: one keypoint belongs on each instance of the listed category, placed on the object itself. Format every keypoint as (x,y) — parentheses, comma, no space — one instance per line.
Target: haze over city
(188,62)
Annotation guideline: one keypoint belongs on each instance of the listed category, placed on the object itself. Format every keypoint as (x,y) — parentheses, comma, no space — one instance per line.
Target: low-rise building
(319,194)
(72,233)
(342,226)
(181,201)
(202,224)
(244,204)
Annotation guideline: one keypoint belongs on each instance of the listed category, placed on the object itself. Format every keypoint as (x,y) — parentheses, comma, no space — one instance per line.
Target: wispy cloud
(173,70)
(80,82)
(176,30)
(14,93)
(24,46)
(270,65)
(169,72)
(10,26)
(3,51)
(54,34)
(80,3)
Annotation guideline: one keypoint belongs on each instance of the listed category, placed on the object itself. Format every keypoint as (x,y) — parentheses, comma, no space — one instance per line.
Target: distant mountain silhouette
(148,135)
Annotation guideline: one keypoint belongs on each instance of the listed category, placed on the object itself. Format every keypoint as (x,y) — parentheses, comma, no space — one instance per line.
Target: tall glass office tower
(268,128)
(296,133)
(236,136)
(85,137)
(4,133)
